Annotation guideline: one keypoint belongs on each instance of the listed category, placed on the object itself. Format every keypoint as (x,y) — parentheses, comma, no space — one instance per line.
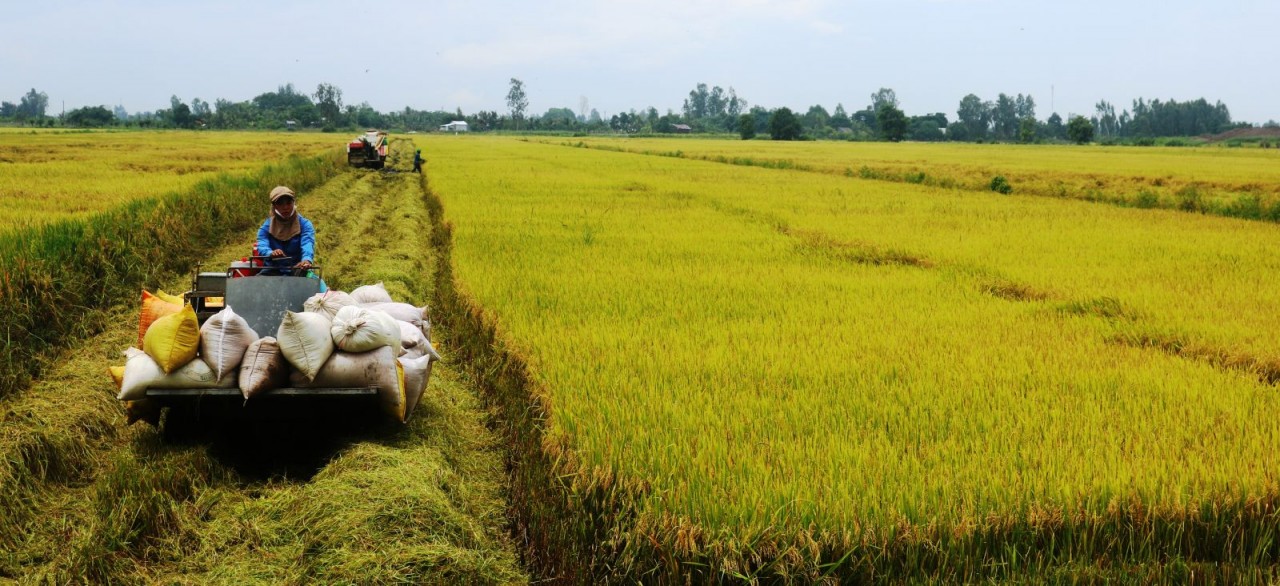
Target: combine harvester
(369,150)
(379,381)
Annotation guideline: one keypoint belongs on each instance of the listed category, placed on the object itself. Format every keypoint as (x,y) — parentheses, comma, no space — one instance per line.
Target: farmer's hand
(277,253)
(306,264)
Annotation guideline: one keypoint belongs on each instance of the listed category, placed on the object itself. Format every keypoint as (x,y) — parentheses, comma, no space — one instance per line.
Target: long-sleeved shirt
(299,248)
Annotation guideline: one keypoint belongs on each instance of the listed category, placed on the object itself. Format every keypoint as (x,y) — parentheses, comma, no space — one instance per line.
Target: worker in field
(417,161)
(286,237)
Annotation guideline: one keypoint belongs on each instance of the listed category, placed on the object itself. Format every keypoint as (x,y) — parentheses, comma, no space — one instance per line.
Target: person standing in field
(417,161)
(287,237)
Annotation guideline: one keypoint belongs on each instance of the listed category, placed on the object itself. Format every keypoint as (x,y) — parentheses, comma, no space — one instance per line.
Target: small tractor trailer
(368,150)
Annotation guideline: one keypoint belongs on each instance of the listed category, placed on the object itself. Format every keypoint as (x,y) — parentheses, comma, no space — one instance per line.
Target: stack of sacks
(177,353)
(372,342)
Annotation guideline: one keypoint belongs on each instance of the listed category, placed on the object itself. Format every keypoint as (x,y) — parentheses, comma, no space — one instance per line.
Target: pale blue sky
(634,54)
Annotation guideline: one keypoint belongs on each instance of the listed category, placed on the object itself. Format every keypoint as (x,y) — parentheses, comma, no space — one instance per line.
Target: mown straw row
(694,392)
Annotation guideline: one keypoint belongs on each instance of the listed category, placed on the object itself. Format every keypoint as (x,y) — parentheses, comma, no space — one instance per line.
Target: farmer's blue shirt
(299,248)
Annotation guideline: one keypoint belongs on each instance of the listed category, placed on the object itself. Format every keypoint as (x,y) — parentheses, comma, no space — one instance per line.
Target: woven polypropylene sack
(417,371)
(305,341)
(328,303)
(264,368)
(154,306)
(224,337)
(356,329)
(375,293)
(141,372)
(405,312)
(377,368)
(172,340)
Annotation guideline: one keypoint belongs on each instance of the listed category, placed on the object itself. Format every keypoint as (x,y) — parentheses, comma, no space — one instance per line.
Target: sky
(632,54)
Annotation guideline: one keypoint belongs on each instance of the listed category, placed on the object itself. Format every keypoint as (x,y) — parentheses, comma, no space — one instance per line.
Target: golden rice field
(49,175)
(1237,182)
(806,374)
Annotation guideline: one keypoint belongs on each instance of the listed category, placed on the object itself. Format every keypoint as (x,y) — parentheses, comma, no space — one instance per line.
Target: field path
(92,499)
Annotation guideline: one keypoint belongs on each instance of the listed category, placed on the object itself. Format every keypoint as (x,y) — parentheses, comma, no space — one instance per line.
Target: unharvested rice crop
(763,372)
(47,176)
(1231,182)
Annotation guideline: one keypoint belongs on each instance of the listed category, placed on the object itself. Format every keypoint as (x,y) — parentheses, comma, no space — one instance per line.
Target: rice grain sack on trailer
(375,293)
(264,368)
(224,338)
(406,313)
(356,329)
(305,341)
(328,303)
(173,339)
(155,306)
(141,372)
(377,368)
(417,372)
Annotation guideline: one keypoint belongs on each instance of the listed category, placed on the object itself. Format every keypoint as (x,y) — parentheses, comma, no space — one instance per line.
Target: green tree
(1054,123)
(883,97)
(975,115)
(840,118)
(329,102)
(784,125)
(1005,117)
(816,118)
(1080,130)
(1027,130)
(892,122)
(180,113)
(747,126)
(517,101)
(90,117)
(33,105)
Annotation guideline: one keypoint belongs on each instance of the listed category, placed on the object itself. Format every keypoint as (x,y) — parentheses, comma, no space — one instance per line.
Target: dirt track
(93,500)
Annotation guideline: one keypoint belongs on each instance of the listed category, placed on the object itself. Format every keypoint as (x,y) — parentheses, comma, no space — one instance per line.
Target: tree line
(706,109)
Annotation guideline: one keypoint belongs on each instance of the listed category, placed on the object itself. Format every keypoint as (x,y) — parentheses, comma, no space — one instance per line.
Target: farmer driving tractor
(286,237)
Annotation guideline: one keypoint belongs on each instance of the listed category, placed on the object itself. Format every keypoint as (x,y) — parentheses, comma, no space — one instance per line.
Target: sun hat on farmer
(281,191)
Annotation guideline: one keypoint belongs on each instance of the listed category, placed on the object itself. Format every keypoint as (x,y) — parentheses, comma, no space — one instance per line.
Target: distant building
(290,125)
(681,128)
(455,126)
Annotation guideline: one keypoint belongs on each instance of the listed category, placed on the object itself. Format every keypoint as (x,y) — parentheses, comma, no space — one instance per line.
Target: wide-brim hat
(281,191)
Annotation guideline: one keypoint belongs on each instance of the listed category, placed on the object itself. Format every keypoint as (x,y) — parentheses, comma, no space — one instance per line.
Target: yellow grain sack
(172,340)
(154,307)
(117,375)
(174,299)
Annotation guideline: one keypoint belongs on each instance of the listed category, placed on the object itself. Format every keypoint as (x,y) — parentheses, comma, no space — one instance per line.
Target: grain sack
(375,293)
(377,368)
(117,375)
(356,329)
(223,339)
(305,341)
(263,369)
(412,341)
(173,339)
(417,371)
(142,410)
(155,306)
(405,312)
(141,372)
(328,303)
